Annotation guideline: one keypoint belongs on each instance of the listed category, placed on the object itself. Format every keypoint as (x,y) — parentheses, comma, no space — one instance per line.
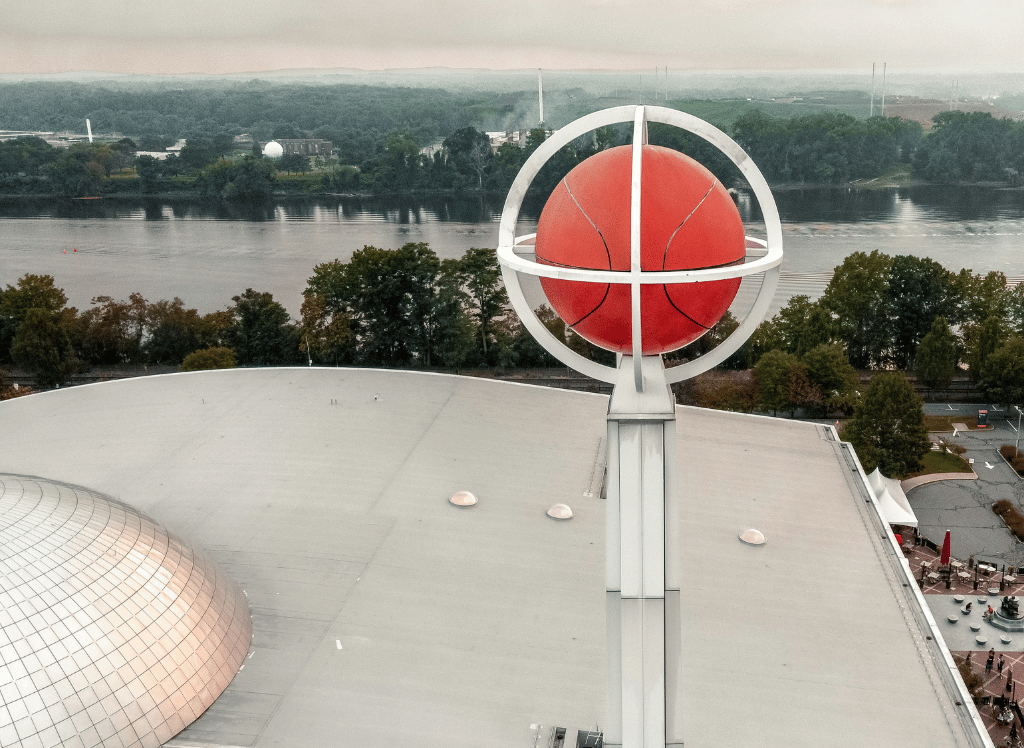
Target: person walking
(991,659)
(1009,679)
(1002,662)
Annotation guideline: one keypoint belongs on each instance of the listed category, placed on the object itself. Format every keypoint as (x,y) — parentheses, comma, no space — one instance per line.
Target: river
(206,253)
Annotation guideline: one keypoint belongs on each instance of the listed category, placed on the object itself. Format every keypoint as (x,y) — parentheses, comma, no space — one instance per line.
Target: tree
(31,292)
(887,429)
(251,179)
(829,370)
(857,297)
(150,170)
(324,337)
(918,292)
(983,342)
(388,297)
(292,162)
(112,331)
(42,346)
(772,374)
(935,362)
(262,334)
(1002,375)
(452,334)
(209,358)
(800,392)
(816,330)
(487,296)
(174,332)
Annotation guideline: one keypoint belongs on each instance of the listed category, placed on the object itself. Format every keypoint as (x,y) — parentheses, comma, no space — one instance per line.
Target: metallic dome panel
(113,631)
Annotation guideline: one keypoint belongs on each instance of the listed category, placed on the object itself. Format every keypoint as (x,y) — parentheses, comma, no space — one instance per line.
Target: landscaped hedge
(1011,516)
(1013,456)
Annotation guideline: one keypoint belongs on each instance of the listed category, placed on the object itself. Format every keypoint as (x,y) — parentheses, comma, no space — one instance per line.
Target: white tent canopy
(892,502)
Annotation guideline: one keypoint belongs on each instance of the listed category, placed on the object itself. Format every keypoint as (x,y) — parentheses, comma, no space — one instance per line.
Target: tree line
(826,148)
(392,308)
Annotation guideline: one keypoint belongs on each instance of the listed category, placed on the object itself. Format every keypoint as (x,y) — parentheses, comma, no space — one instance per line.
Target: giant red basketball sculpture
(687,222)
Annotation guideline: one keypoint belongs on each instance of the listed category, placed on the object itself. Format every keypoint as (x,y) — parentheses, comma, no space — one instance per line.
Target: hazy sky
(224,36)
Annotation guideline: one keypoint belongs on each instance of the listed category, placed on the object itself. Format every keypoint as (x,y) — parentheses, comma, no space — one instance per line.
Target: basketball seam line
(603,242)
(664,259)
(667,296)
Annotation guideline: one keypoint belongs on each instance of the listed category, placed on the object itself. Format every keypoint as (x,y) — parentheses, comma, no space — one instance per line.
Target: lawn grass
(942,462)
(945,423)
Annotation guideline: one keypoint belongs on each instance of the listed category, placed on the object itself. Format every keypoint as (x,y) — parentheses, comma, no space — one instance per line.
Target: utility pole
(883,88)
(872,114)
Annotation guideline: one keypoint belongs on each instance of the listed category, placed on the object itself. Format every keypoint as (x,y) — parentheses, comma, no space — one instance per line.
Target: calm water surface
(206,253)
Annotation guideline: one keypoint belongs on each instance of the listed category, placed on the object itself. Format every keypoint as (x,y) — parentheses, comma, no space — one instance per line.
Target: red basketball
(687,222)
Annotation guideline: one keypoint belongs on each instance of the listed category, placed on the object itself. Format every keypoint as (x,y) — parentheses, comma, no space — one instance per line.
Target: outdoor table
(956,564)
(964,576)
(986,569)
(933,576)
(926,564)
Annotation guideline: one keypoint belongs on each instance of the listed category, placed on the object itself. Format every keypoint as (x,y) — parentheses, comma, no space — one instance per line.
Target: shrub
(209,358)
(1013,519)
(1008,451)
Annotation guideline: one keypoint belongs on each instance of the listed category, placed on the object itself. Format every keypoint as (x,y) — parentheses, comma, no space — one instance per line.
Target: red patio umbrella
(944,559)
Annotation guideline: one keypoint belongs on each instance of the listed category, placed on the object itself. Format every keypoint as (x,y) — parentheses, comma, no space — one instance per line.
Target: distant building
(245,140)
(515,137)
(306,146)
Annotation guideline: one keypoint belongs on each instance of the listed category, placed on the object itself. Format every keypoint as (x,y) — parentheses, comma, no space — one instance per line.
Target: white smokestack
(88,128)
(540,95)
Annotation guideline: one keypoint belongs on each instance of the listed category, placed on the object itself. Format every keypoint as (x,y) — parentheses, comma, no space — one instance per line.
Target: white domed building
(273,149)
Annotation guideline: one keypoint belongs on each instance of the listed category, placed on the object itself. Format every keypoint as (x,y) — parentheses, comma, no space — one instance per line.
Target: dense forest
(379,136)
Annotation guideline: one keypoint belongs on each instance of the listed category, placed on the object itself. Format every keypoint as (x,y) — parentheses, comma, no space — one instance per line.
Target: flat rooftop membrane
(383,615)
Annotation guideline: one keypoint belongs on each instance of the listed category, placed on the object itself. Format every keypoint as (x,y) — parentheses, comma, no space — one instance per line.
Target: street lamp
(1016,441)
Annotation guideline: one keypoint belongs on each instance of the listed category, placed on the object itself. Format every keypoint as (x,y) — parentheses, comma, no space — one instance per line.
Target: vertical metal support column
(642,563)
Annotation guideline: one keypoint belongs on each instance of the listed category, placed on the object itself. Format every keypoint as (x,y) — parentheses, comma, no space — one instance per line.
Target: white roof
(384,615)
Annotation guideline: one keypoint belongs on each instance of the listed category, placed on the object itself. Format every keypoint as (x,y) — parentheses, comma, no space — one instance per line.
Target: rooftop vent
(560,511)
(463,498)
(753,537)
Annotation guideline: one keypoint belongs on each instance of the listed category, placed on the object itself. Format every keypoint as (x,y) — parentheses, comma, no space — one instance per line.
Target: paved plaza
(964,507)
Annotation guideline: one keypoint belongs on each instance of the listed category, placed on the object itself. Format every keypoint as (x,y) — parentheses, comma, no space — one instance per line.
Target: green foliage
(293,162)
(249,180)
(971,147)
(42,346)
(209,358)
(112,331)
(26,155)
(82,169)
(261,333)
(935,361)
(918,292)
(857,296)
(772,374)
(323,336)
(1002,374)
(829,370)
(827,148)
(887,429)
(486,296)
(983,341)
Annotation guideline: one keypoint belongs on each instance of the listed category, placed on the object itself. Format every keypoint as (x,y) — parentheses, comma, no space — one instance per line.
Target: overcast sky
(226,36)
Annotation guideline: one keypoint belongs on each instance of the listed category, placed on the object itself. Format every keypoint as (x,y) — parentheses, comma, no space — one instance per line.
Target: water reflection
(838,205)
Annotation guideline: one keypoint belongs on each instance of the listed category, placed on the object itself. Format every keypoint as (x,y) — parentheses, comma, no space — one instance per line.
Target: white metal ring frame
(765,258)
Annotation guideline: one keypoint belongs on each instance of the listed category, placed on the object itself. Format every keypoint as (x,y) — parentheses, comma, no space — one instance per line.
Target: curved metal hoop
(768,260)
